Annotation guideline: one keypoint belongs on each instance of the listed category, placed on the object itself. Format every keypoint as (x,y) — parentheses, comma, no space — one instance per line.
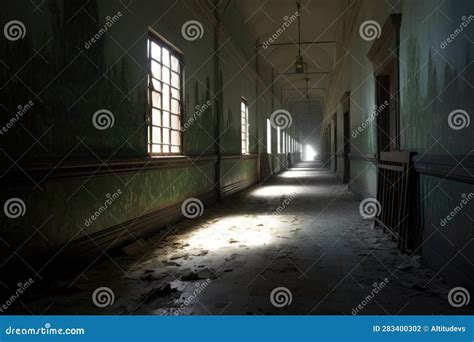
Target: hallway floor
(302,230)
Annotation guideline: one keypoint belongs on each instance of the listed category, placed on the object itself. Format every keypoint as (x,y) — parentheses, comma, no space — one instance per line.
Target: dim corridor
(296,244)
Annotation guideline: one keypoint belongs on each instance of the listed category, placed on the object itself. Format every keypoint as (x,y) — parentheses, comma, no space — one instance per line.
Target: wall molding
(458,168)
(364,157)
(41,173)
(239,156)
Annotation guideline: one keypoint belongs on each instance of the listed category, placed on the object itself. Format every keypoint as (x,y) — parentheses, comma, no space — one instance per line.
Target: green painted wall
(68,83)
(434,81)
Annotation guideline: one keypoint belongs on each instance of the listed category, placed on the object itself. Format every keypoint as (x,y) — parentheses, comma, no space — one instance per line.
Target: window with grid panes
(165,98)
(244,120)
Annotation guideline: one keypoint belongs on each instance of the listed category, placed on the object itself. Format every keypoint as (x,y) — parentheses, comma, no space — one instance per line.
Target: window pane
(166,75)
(175,94)
(166,119)
(155,51)
(155,99)
(166,149)
(166,97)
(175,106)
(155,149)
(175,80)
(175,122)
(156,134)
(166,57)
(174,149)
(156,70)
(175,138)
(166,136)
(156,119)
(156,85)
(174,64)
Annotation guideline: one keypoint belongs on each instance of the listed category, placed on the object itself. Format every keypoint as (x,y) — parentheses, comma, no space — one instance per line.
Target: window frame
(278,140)
(155,37)
(244,115)
(269,137)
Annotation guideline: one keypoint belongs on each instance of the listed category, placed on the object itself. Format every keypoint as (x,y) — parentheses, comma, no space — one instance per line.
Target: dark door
(383,113)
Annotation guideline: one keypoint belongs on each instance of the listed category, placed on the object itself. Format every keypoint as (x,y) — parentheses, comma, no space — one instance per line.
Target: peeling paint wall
(69,78)
(434,80)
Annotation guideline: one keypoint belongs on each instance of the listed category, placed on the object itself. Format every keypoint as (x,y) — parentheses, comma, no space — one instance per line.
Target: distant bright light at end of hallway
(309,153)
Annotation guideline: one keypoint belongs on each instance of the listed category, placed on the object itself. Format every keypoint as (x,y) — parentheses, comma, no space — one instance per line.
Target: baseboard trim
(114,237)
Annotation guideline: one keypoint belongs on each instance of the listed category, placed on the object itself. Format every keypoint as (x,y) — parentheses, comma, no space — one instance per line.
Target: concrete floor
(229,260)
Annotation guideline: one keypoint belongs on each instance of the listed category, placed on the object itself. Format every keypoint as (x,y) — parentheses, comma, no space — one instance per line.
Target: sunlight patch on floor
(234,231)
